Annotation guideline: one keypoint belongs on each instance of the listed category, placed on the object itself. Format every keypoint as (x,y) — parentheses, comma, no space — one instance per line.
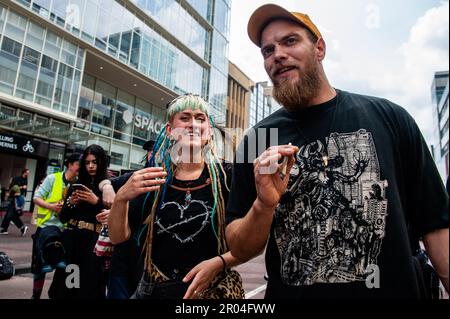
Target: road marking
(254,292)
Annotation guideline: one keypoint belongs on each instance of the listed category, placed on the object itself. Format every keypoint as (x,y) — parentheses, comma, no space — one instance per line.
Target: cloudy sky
(386,48)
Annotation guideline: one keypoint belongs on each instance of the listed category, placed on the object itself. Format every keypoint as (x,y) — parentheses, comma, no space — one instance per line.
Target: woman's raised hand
(142,181)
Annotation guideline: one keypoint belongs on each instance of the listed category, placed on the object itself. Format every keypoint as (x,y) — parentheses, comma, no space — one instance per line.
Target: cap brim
(262,16)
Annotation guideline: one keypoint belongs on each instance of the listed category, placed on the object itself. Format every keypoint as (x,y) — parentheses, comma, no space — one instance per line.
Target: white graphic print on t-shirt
(192,219)
(330,223)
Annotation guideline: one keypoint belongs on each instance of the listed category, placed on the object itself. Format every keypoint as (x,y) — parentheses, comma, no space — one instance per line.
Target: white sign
(28,147)
(143,122)
(8,142)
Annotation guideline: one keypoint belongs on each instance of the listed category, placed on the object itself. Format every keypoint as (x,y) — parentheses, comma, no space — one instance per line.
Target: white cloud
(367,60)
(425,52)
(405,75)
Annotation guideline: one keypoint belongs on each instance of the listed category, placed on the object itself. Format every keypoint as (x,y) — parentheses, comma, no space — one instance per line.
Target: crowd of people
(350,185)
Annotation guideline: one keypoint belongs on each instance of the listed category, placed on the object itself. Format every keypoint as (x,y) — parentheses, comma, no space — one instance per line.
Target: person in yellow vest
(49,198)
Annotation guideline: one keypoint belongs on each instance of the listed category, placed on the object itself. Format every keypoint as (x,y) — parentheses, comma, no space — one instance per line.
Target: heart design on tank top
(192,218)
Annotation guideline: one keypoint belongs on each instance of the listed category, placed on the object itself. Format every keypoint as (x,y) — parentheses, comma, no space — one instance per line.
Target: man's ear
(321,49)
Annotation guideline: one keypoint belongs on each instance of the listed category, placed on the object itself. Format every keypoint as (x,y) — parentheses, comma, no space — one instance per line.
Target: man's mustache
(281,68)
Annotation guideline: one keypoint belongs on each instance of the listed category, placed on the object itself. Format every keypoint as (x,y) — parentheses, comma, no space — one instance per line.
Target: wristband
(224,263)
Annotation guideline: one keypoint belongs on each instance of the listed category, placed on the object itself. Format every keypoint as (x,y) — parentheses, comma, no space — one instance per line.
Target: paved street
(20,286)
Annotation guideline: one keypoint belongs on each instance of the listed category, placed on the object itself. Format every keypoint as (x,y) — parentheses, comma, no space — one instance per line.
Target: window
(40,122)
(120,154)
(140,127)
(46,82)
(52,45)
(58,12)
(59,130)
(124,117)
(35,36)
(137,157)
(68,54)
(15,26)
(135,49)
(104,102)
(86,102)
(9,62)
(63,86)
(125,46)
(3,12)
(7,113)
(28,74)
(101,35)
(89,21)
(74,94)
(80,58)
(26,119)
(75,16)
(42,7)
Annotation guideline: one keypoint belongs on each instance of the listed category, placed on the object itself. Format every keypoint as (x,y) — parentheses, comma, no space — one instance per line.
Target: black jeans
(171,289)
(11,215)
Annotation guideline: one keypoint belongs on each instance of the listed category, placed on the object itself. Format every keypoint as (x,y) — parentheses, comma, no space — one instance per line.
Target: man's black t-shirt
(340,228)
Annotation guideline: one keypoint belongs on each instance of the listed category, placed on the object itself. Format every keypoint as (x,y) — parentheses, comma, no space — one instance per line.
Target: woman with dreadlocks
(184,191)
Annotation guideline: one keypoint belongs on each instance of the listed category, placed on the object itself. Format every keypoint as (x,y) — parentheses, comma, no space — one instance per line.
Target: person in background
(49,198)
(16,203)
(36,207)
(21,181)
(80,212)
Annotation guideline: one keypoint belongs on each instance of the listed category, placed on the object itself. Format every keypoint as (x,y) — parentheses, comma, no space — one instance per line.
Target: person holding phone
(79,212)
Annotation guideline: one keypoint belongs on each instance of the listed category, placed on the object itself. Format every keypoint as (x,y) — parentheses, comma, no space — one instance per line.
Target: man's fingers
(270,160)
(269,165)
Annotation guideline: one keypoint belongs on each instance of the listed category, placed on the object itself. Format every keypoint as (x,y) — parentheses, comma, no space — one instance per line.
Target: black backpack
(6,266)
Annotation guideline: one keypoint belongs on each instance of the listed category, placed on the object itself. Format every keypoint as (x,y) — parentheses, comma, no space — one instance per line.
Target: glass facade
(116,30)
(203,7)
(171,15)
(37,65)
(118,121)
(175,19)
(45,67)
(439,97)
(262,104)
(218,85)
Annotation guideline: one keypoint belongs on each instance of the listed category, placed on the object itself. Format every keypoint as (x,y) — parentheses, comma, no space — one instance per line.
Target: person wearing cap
(49,199)
(355,176)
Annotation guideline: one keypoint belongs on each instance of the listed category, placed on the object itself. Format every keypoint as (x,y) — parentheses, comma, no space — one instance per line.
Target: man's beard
(298,95)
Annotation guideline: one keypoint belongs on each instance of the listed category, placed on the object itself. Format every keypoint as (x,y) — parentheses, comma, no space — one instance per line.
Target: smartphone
(78,187)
